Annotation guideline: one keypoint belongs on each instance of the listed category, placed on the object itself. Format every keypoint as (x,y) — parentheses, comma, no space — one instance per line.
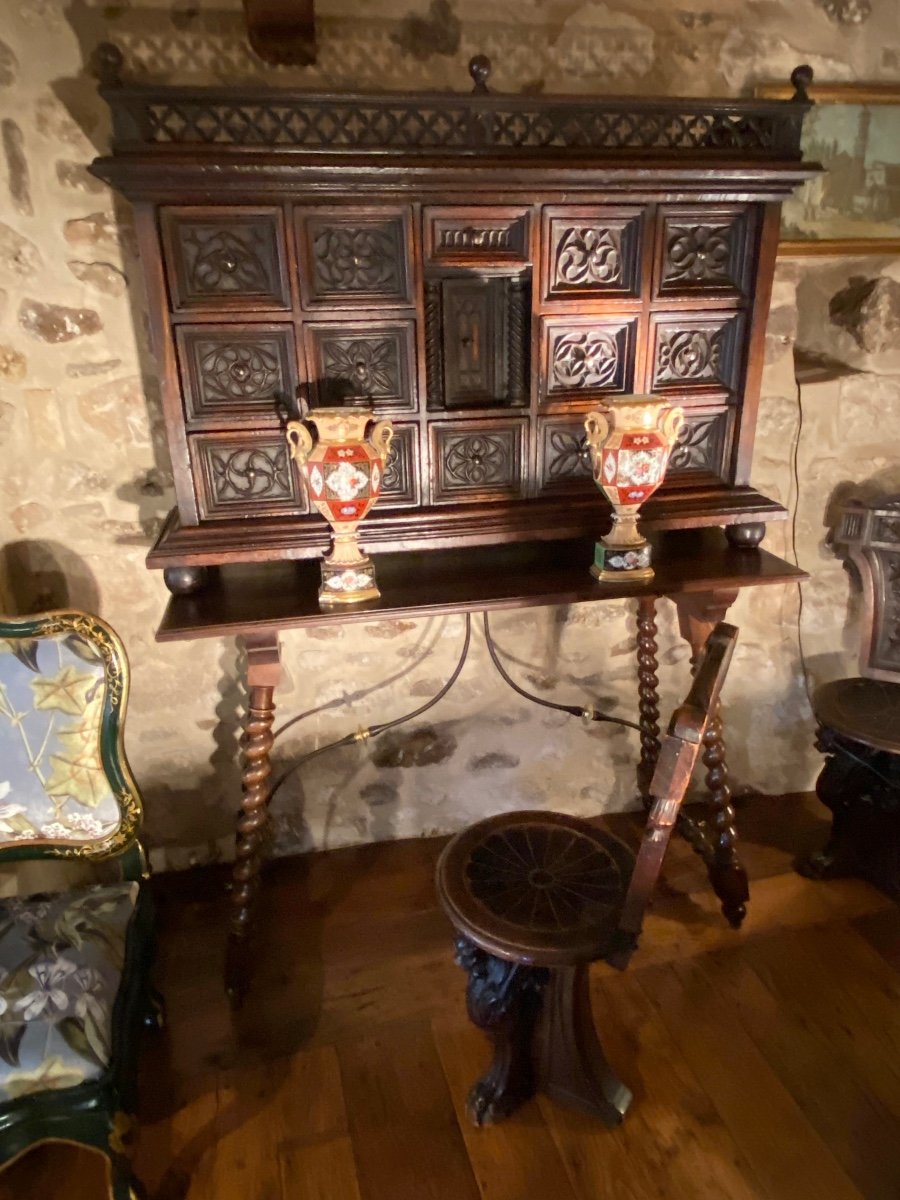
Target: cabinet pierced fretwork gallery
(485,268)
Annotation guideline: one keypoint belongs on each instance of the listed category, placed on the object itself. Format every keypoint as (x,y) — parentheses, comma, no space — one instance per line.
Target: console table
(698,569)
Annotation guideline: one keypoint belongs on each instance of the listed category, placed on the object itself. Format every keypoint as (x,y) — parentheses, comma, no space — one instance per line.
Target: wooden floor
(765,1064)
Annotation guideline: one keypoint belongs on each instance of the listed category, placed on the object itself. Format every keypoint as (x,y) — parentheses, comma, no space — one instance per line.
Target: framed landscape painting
(854,206)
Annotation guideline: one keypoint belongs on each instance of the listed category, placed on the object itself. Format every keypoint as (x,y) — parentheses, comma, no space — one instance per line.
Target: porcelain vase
(630,440)
(344,468)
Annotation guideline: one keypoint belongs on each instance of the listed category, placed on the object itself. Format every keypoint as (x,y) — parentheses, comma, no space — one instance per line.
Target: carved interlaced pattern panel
(474,460)
(250,474)
(701,352)
(588,256)
(583,359)
(701,444)
(545,878)
(237,261)
(399,484)
(462,124)
(567,455)
(362,366)
(242,371)
(887,652)
(365,259)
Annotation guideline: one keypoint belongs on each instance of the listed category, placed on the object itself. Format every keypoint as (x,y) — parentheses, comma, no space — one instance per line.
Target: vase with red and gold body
(344,468)
(630,441)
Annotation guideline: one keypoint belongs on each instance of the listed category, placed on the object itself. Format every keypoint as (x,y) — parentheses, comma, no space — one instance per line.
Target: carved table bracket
(698,613)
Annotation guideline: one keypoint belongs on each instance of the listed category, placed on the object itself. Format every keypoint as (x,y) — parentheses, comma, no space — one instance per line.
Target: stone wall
(86,479)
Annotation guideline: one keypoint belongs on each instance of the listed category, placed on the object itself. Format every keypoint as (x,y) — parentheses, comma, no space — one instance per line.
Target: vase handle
(672,423)
(300,441)
(380,439)
(596,426)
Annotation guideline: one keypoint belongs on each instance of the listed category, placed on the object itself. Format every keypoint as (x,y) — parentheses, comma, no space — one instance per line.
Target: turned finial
(480,69)
(801,78)
(107,62)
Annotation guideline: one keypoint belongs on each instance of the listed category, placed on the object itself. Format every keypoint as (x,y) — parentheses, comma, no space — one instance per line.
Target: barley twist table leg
(263,670)
(648,694)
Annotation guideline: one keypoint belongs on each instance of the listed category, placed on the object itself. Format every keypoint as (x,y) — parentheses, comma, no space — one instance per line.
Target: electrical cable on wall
(586,712)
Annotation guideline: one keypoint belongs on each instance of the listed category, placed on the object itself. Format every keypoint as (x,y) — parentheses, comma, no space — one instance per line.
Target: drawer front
(592,251)
(704,445)
(705,251)
(245,475)
(352,258)
(374,359)
(696,351)
(235,375)
(400,486)
(225,259)
(564,459)
(476,235)
(584,358)
(477,460)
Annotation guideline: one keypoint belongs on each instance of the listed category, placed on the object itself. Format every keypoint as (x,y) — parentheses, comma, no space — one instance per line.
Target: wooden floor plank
(864,1137)
(882,931)
(48,1171)
(319,1171)
(515,1158)
(672,1121)
(406,1140)
(813,977)
(787,1155)
(176,1146)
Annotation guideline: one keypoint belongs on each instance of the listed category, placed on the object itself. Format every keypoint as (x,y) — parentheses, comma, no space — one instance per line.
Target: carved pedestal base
(861,787)
(540,1023)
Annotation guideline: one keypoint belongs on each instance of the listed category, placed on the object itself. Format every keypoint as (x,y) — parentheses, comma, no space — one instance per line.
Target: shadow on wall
(43,575)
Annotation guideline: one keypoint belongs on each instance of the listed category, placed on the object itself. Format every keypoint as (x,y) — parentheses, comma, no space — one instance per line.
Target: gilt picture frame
(853,208)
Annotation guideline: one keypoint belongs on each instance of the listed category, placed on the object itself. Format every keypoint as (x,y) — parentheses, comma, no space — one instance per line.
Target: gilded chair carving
(74,965)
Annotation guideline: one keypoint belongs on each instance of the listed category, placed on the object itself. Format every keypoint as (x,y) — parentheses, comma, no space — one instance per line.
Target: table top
(284,595)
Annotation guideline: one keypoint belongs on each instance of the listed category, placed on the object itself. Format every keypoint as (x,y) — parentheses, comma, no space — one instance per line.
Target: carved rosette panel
(244,475)
(354,259)
(593,252)
(234,261)
(400,485)
(704,250)
(584,358)
(235,374)
(369,360)
(696,351)
(565,458)
(477,459)
(703,444)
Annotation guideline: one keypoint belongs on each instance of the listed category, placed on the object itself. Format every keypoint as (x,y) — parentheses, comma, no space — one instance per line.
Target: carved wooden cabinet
(485,268)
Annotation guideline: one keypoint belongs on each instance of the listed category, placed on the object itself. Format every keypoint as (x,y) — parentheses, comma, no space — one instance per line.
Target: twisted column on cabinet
(698,613)
(648,694)
(263,672)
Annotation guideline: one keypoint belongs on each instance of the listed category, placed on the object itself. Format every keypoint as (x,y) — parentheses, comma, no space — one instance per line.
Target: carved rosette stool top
(536,897)
(344,470)
(859,719)
(485,269)
(630,441)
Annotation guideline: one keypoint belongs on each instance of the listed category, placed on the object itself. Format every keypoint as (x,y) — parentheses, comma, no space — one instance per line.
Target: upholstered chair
(74,965)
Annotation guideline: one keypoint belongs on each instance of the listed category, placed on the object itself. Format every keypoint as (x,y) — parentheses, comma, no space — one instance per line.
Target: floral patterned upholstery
(53,786)
(61,961)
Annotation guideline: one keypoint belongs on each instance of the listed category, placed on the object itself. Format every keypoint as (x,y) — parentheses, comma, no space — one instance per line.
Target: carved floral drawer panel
(234,375)
(225,258)
(245,474)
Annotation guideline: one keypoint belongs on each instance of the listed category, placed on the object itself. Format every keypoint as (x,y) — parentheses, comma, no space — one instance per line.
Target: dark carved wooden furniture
(485,269)
(536,897)
(74,965)
(859,718)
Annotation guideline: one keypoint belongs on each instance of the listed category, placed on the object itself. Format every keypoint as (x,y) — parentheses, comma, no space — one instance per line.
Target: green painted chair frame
(99,1113)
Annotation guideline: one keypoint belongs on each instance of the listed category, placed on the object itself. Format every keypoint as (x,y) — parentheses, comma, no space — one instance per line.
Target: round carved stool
(535,898)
